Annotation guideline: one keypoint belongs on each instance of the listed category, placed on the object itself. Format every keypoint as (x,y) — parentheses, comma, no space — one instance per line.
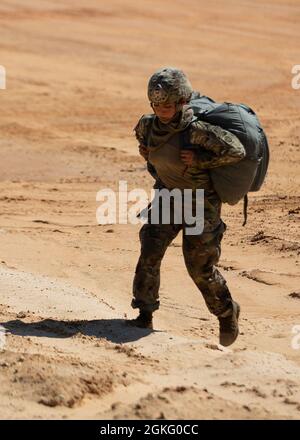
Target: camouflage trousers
(201,254)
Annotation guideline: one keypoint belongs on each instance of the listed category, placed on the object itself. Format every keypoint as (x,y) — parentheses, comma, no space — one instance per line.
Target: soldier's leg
(201,253)
(155,239)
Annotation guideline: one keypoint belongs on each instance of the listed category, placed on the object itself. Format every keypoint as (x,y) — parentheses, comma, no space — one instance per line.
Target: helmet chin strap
(179,107)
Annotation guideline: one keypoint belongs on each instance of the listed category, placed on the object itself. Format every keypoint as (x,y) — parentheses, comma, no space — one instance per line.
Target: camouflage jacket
(216,146)
(213,145)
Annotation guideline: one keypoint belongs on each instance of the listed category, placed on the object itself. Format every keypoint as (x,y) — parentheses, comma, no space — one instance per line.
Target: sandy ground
(76,85)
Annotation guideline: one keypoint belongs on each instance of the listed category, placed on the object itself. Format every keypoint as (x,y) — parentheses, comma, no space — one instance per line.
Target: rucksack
(233,182)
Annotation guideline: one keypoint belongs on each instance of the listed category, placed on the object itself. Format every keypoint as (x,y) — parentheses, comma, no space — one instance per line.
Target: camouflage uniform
(216,147)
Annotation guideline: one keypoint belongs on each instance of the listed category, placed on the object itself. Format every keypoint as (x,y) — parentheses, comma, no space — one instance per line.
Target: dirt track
(76,85)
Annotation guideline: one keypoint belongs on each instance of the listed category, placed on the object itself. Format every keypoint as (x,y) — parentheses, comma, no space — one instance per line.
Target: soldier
(160,143)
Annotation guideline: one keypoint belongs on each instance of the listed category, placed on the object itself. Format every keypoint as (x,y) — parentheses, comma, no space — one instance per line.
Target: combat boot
(229,328)
(144,320)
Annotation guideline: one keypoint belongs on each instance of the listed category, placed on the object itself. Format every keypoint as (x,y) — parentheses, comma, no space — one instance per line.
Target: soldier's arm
(142,129)
(141,133)
(217,146)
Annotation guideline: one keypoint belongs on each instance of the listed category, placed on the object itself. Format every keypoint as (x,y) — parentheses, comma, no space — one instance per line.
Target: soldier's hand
(144,152)
(188,157)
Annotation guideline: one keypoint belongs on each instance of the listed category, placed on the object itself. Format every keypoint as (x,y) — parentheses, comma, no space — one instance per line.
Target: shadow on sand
(114,330)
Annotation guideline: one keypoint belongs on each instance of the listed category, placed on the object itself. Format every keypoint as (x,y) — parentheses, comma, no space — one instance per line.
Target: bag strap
(245,209)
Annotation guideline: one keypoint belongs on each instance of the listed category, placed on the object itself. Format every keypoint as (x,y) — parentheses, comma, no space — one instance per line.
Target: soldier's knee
(149,260)
(200,259)
(200,273)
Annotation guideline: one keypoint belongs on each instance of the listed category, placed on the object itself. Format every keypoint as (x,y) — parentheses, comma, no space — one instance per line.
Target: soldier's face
(165,112)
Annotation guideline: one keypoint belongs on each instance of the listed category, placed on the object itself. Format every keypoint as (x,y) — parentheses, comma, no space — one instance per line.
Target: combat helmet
(169,85)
